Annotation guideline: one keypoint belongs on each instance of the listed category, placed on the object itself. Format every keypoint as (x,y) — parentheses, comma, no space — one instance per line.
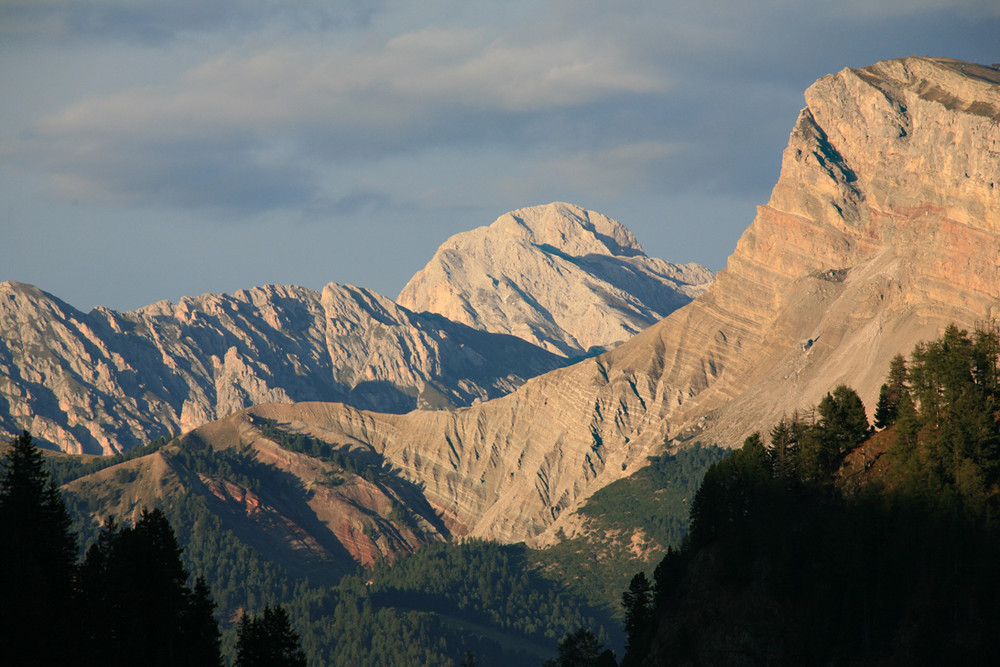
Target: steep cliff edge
(559,276)
(882,228)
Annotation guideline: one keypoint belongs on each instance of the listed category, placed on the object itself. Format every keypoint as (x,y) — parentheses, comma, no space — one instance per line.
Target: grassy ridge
(629,526)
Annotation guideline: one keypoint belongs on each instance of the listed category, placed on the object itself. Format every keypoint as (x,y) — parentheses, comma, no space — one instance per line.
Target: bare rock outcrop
(883,228)
(104,381)
(559,276)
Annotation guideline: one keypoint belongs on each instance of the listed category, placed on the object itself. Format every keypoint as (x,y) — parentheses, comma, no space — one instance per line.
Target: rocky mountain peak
(567,228)
(105,381)
(559,276)
(883,228)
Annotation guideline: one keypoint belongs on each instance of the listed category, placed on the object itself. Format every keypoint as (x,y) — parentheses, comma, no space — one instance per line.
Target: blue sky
(151,149)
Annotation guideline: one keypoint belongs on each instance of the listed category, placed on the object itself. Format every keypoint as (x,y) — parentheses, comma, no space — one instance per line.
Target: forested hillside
(493,602)
(831,545)
(825,539)
(629,525)
(446,602)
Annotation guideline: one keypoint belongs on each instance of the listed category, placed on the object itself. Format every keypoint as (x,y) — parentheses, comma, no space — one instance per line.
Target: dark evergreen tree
(843,419)
(666,578)
(582,649)
(891,393)
(38,555)
(886,410)
(842,426)
(203,646)
(138,609)
(268,641)
(637,602)
(783,453)
(725,491)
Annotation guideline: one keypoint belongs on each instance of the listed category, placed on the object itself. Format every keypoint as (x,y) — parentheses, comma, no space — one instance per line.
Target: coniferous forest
(823,541)
(826,543)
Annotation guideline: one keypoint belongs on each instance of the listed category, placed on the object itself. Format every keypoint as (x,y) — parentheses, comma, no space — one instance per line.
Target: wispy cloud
(158,21)
(357,134)
(255,127)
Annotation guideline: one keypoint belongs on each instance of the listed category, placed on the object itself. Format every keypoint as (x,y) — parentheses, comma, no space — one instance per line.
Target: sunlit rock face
(559,276)
(881,230)
(104,381)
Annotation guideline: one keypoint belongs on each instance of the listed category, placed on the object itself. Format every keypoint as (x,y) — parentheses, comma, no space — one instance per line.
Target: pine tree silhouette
(38,555)
(268,641)
(138,607)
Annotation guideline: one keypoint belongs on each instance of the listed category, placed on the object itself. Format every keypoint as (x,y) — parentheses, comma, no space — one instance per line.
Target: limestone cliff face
(104,381)
(561,277)
(884,227)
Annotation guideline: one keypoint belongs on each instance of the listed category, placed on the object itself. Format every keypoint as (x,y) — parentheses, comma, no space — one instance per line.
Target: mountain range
(103,382)
(882,229)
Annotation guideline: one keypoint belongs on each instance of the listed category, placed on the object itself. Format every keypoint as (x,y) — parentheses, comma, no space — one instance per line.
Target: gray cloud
(223,170)
(249,115)
(580,89)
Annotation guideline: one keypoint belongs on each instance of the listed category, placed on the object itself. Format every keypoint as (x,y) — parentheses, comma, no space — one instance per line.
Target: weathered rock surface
(561,277)
(104,381)
(883,228)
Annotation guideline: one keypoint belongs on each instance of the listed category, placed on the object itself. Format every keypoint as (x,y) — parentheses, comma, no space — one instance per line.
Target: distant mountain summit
(559,276)
(883,228)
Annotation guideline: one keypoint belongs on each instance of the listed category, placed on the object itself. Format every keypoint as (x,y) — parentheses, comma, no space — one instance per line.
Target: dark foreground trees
(637,602)
(37,558)
(582,649)
(128,603)
(268,641)
(807,553)
(137,606)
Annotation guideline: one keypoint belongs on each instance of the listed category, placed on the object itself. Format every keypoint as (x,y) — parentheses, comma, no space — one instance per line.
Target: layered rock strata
(314,517)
